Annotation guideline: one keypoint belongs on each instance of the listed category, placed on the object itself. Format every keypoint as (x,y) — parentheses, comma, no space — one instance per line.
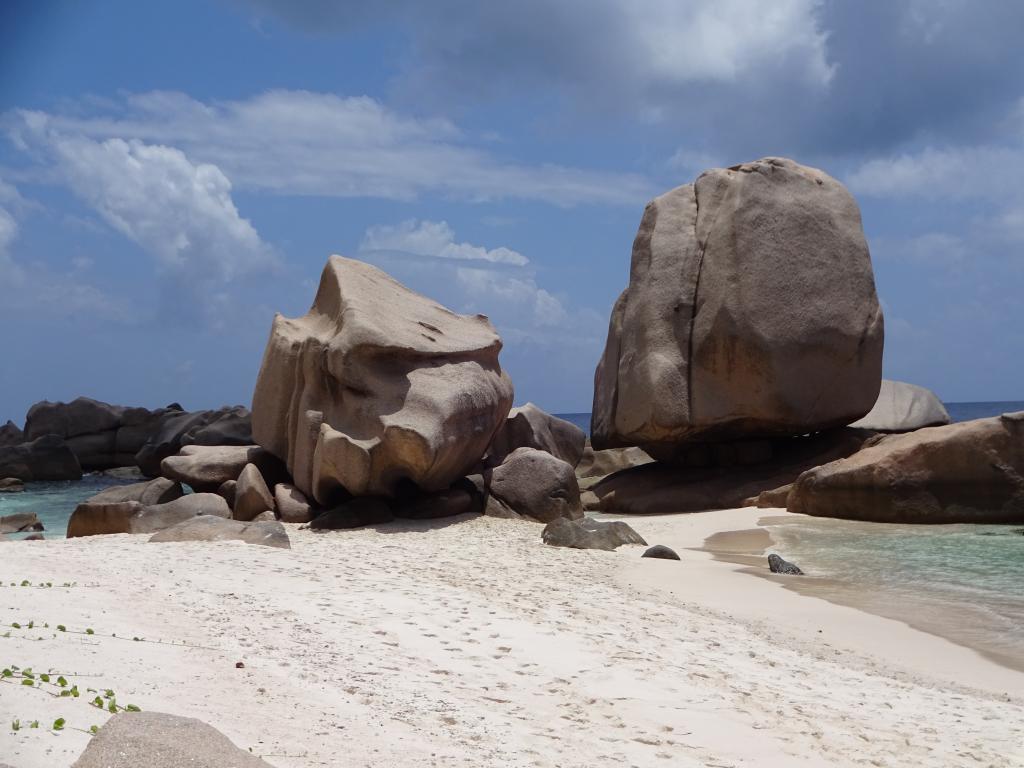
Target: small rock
(228,490)
(292,504)
(589,534)
(777,565)
(213,528)
(252,495)
(661,552)
(11,485)
(20,522)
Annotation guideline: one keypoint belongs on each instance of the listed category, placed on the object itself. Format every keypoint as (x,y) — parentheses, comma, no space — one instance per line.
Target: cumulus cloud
(303,143)
(434,238)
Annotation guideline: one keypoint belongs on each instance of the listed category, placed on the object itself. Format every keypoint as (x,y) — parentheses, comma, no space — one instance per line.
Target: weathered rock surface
(602,463)
(45,458)
(231,425)
(157,491)
(366,510)
(529,427)
(19,522)
(292,504)
(161,516)
(661,552)
(206,468)
(101,518)
(777,565)
(903,407)
(11,485)
(589,534)
(751,311)
(659,488)
(228,490)
(156,740)
(11,434)
(377,388)
(210,528)
(773,498)
(971,472)
(252,495)
(536,485)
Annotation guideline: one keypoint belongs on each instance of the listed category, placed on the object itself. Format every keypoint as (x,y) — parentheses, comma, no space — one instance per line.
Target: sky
(174,173)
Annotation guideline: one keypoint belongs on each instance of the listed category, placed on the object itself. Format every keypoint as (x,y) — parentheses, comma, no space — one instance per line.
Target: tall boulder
(378,388)
(970,472)
(529,427)
(750,312)
(903,407)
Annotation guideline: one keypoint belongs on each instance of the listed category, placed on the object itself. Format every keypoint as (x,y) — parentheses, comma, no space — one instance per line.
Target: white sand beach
(466,642)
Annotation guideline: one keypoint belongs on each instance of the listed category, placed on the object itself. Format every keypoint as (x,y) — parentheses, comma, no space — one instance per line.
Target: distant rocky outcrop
(903,407)
(228,426)
(715,480)
(529,427)
(970,472)
(535,485)
(44,458)
(11,434)
(378,389)
(750,312)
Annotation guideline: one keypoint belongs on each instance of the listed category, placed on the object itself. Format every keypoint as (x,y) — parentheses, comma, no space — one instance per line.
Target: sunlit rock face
(378,388)
(750,312)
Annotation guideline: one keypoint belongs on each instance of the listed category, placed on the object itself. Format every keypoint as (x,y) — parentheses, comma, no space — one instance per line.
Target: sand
(466,642)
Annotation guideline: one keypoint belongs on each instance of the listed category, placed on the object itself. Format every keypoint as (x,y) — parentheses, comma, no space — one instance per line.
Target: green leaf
(58,724)
(88,631)
(74,691)
(34,724)
(7,673)
(97,702)
(28,681)
(65,693)
(44,677)
(112,706)
(61,628)
(16,625)
(26,583)
(15,725)
(108,694)
(94,729)
(62,681)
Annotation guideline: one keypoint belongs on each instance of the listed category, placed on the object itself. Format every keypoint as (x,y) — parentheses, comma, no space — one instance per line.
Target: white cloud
(434,238)
(177,210)
(530,304)
(302,143)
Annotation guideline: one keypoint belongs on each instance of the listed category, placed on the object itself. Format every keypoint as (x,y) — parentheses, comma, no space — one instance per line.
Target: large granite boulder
(252,496)
(99,518)
(661,488)
(231,425)
(529,427)
(971,472)
(751,312)
(157,491)
(160,516)
(44,458)
(156,740)
(536,485)
(903,407)
(212,528)
(378,388)
(589,534)
(207,467)
(292,504)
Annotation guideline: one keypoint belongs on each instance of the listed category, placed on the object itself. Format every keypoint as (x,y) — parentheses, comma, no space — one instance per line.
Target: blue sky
(171,174)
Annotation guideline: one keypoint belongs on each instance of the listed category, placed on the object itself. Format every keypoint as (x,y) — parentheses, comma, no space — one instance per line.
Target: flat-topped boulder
(268,533)
(157,491)
(750,312)
(206,468)
(529,427)
(378,389)
(903,407)
(970,472)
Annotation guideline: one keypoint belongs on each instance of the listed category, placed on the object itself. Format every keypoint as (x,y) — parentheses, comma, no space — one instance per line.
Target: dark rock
(659,488)
(536,485)
(774,498)
(970,472)
(252,496)
(366,510)
(530,427)
(225,426)
(156,740)
(210,528)
(777,565)
(228,490)
(20,522)
(495,507)
(661,552)
(11,434)
(458,501)
(45,458)
(589,534)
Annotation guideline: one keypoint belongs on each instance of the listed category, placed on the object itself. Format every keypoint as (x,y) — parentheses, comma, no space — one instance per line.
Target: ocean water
(54,502)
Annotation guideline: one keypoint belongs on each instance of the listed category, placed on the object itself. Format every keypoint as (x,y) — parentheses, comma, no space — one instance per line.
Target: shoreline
(467,642)
(928,614)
